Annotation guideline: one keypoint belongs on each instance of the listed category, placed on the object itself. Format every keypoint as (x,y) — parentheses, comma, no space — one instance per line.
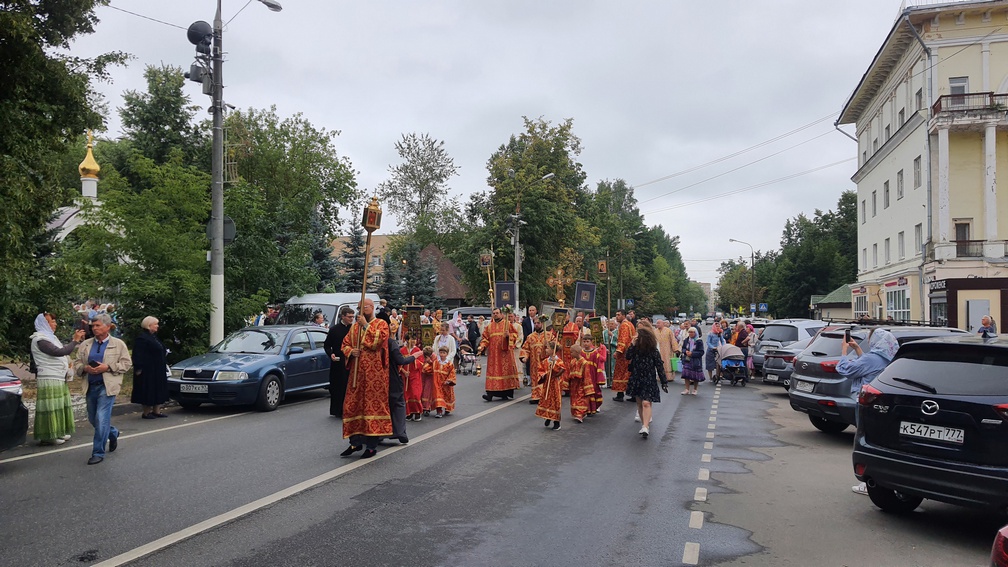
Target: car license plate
(194,388)
(772,378)
(803,386)
(936,432)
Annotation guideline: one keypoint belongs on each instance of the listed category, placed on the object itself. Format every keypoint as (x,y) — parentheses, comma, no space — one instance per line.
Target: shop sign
(937,285)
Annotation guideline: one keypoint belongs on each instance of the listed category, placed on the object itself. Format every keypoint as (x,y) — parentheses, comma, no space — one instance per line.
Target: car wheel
(189,405)
(827,426)
(270,392)
(888,500)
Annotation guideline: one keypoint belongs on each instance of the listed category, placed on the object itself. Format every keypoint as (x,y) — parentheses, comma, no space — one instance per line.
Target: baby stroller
(731,364)
(466,358)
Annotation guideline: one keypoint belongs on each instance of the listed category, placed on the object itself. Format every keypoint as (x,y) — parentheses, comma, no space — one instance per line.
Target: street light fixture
(517,234)
(201,35)
(752,274)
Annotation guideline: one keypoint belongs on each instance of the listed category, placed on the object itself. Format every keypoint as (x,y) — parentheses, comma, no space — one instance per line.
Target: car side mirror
(295,350)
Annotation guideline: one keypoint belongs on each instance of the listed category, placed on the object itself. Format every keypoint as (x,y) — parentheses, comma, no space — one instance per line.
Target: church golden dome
(89,167)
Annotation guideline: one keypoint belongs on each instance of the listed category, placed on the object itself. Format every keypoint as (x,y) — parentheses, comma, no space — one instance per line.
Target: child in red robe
(549,374)
(414,380)
(444,378)
(430,391)
(580,383)
(597,356)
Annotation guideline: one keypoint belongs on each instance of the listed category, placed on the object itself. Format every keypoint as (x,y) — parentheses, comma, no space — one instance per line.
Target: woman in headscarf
(693,351)
(150,370)
(714,339)
(864,367)
(54,419)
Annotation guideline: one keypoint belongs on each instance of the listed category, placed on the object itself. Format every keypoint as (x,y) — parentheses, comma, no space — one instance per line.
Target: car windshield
(964,370)
(252,341)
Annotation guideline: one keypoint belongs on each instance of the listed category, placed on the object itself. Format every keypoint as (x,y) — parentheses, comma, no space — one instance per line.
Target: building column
(943,248)
(992,248)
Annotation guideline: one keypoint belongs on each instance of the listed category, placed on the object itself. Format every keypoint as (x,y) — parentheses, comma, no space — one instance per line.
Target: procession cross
(559,281)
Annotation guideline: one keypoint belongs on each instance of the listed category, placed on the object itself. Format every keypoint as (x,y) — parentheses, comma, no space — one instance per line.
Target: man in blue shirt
(102,360)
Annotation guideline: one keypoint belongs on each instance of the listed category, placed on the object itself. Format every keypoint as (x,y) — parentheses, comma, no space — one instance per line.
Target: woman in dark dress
(645,363)
(150,370)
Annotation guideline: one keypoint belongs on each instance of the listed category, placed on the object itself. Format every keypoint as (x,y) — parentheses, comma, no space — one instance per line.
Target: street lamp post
(752,273)
(217,165)
(517,236)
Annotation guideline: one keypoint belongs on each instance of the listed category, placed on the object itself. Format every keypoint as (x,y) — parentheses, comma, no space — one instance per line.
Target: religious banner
(504,294)
(595,324)
(559,319)
(547,310)
(427,335)
(411,321)
(584,296)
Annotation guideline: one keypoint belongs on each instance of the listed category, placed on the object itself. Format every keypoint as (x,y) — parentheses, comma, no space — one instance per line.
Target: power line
(146,17)
(737,168)
(738,153)
(751,187)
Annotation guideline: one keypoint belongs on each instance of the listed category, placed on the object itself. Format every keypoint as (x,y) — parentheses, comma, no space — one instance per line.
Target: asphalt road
(728,477)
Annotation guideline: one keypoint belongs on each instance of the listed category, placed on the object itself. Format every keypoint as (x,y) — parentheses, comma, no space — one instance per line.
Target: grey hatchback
(782,333)
(818,390)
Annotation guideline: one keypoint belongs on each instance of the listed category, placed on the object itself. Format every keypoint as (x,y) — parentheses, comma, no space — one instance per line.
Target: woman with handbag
(54,419)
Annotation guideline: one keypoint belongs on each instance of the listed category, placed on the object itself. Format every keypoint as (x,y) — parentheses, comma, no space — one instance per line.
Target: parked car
(934,424)
(778,364)
(781,333)
(709,321)
(13,413)
(658,317)
(817,389)
(476,312)
(999,551)
(301,310)
(254,365)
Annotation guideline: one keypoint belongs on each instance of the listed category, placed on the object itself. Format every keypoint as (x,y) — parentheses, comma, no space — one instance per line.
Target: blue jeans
(99,414)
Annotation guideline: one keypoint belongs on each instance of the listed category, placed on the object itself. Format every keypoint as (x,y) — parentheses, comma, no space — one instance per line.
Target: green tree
(417,189)
(160,119)
(46,100)
(351,259)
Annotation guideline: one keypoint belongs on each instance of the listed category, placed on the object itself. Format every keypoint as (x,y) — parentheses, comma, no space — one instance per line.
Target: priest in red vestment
(366,415)
(499,341)
(621,376)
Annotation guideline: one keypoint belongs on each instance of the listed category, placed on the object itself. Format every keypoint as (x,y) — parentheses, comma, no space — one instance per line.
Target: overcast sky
(655,88)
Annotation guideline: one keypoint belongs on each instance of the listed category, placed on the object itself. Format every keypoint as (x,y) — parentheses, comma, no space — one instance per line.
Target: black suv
(934,424)
(818,390)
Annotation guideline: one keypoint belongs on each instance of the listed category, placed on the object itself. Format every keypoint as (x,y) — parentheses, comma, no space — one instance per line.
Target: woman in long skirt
(693,351)
(54,419)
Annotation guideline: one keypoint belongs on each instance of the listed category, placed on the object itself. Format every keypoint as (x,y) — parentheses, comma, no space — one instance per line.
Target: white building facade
(930,116)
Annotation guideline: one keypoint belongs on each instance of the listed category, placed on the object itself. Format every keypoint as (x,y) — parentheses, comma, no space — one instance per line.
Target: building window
(898,304)
(376,279)
(887,134)
(874,145)
(918,239)
(902,117)
(874,255)
(864,157)
(919,98)
(901,245)
(864,213)
(888,258)
(860,306)
(899,185)
(958,86)
(917,172)
(864,259)
(885,195)
(874,203)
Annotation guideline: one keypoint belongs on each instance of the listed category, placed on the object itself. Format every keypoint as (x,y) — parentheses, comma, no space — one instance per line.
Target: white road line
(89,444)
(232,515)
(705,458)
(714,406)
(708,445)
(704,474)
(713,412)
(696,519)
(710,434)
(691,554)
(700,495)
(712,419)
(711,426)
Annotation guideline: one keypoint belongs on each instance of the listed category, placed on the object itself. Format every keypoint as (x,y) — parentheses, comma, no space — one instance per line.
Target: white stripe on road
(232,515)
(704,474)
(700,495)
(89,444)
(696,519)
(710,434)
(708,446)
(705,458)
(691,554)
(712,419)
(712,426)
(713,411)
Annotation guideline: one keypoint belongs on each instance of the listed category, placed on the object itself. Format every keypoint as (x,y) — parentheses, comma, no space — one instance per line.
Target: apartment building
(932,134)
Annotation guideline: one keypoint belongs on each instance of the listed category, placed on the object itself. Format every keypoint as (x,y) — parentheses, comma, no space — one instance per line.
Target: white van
(302,309)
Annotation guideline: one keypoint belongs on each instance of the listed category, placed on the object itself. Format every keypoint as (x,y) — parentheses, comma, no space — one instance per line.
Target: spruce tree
(352,259)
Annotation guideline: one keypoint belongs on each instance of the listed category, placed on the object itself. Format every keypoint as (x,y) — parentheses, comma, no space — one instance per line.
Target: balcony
(966,249)
(970,101)
(969,248)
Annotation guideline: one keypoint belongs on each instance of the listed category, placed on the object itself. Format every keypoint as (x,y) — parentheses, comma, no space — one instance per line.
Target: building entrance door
(976,309)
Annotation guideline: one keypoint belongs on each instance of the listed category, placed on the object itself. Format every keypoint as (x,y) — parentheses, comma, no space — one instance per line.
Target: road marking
(89,444)
(711,426)
(710,434)
(713,412)
(232,515)
(705,458)
(700,495)
(714,406)
(696,519)
(712,419)
(691,554)
(708,445)
(704,474)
